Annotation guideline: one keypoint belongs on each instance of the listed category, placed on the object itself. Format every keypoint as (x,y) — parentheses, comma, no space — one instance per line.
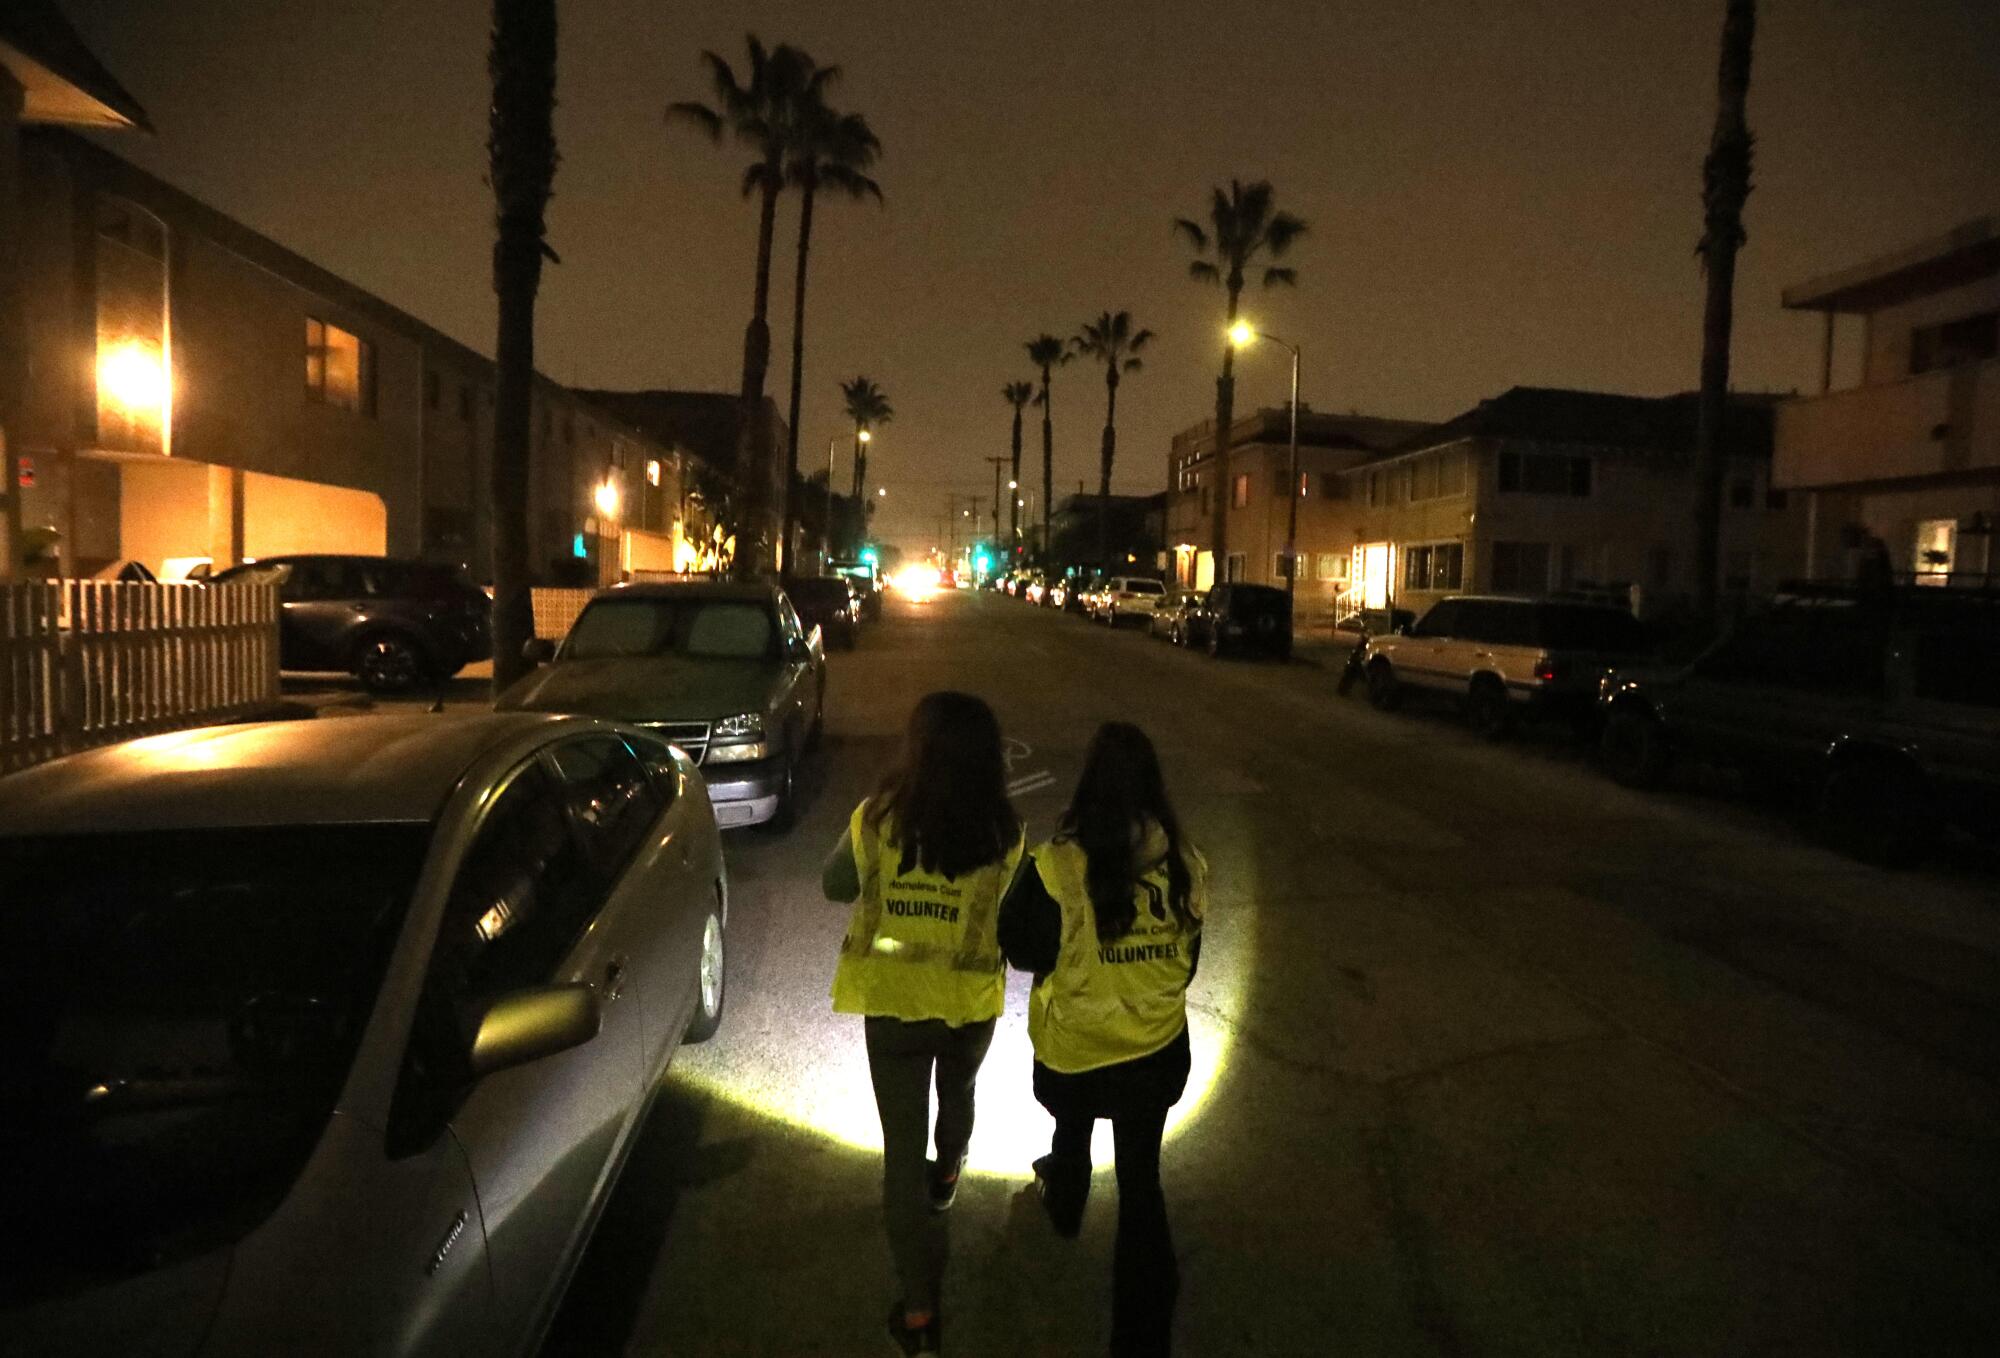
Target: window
(340,368)
(1239,490)
(1498,622)
(1434,566)
(1441,621)
(1280,567)
(1742,495)
(1451,473)
(1520,567)
(1424,473)
(1972,339)
(464,401)
(611,801)
(433,389)
(1544,474)
(1333,566)
(1416,568)
(1233,568)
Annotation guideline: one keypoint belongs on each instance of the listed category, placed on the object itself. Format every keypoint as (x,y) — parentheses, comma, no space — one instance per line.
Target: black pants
(901,1059)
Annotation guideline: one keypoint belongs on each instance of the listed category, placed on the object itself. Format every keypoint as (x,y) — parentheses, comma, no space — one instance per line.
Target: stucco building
(1909,457)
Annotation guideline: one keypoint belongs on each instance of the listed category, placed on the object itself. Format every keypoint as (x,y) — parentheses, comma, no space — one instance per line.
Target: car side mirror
(526,1025)
(538,650)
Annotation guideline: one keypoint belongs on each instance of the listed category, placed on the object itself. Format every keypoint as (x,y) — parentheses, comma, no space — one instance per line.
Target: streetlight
(1242,335)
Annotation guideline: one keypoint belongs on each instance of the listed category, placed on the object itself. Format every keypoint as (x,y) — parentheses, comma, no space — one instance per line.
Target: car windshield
(1608,630)
(709,629)
(819,593)
(179,1012)
(1144,587)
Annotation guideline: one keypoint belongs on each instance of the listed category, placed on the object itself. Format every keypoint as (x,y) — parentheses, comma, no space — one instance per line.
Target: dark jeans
(901,1059)
(1145,1277)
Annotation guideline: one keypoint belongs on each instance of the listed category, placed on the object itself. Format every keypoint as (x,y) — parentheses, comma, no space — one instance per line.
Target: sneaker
(944,1190)
(1064,1193)
(929,1339)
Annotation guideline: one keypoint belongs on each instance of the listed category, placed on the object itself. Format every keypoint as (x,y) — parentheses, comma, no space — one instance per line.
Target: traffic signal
(870,556)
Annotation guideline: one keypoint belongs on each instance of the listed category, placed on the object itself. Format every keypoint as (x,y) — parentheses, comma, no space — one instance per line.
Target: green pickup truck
(727,672)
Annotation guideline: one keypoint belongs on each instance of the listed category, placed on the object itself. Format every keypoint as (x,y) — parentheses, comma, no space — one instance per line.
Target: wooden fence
(556,609)
(88,662)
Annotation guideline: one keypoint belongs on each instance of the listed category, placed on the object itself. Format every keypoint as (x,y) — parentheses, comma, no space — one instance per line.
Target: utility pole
(998,463)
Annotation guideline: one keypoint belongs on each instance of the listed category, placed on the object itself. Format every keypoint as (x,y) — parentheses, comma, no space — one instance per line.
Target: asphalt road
(1503,1059)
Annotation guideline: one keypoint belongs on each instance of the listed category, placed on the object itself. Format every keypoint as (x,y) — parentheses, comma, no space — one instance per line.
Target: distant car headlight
(743,752)
(742,726)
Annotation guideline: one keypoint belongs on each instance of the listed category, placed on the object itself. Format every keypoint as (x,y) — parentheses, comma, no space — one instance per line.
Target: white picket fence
(88,662)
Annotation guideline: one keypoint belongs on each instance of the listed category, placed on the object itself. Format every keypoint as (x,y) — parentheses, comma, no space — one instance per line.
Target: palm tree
(1047,353)
(1110,340)
(521,164)
(1017,395)
(832,151)
(762,113)
(1725,185)
(868,406)
(1243,225)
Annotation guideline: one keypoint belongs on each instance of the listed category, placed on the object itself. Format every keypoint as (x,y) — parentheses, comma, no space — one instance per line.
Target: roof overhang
(1962,255)
(61,79)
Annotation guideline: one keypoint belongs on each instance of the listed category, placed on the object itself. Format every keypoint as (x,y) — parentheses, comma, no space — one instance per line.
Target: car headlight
(742,726)
(742,752)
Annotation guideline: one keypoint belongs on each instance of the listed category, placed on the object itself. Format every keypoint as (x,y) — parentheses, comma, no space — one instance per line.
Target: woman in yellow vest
(1108,918)
(925,862)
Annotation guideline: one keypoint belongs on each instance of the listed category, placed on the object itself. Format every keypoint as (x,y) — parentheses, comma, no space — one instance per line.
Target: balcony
(1935,424)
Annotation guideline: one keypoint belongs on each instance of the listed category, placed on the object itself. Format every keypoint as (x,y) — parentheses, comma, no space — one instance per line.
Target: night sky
(1500,191)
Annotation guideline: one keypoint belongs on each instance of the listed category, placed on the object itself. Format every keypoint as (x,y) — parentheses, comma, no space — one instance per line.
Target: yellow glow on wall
(131,375)
(606,499)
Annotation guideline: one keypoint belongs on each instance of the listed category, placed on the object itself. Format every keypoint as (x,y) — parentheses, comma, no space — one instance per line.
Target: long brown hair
(946,798)
(1120,791)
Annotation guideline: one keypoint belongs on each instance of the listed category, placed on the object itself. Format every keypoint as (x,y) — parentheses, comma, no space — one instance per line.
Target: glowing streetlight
(865,436)
(881,491)
(1242,335)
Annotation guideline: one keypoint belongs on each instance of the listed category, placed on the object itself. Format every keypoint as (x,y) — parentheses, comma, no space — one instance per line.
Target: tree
(867,406)
(1047,353)
(521,165)
(1110,340)
(832,151)
(1017,395)
(761,113)
(1244,225)
(1725,186)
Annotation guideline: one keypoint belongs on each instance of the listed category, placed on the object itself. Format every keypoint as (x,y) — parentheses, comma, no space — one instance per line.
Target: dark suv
(830,603)
(1235,618)
(1882,707)
(396,625)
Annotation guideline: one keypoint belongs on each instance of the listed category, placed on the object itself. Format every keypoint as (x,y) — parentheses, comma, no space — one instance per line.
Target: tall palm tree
(1110,340)
(521,164)
(832,151)
(762,113)
(1725,185)
(868,406)
(1017,395)
(1244,225)
(1047,353)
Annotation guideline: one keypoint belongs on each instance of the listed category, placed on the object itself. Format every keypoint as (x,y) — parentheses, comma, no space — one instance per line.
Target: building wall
(1887,343)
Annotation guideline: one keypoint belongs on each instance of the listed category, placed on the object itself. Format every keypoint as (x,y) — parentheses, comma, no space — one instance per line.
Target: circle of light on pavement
(828,1091)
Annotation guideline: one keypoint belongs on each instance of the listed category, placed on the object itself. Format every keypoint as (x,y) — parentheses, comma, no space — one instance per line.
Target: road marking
(1014,751)
(1031,782)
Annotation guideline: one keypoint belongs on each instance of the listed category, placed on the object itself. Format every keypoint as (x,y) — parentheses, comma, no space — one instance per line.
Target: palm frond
(1133,365)
(754,176)
(1140,340)
(1281,231)
(1287,277)
(1203,271)
(1191,232)
(703,118)
(850,182)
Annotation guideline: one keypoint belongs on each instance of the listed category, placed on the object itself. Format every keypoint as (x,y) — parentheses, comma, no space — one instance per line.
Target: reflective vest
(1118,999)
(921,945)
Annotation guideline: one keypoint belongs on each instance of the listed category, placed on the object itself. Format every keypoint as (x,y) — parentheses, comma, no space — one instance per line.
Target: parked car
(1881,711)
(829,603)
(396,625)
(331,1037)
(1129,598)
(867,582)
(1503,656)
(725,671)
(1236,619)
(1170,619)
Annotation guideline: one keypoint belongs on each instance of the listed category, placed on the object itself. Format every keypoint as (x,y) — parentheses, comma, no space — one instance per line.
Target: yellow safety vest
(921,945)
(1115,1000)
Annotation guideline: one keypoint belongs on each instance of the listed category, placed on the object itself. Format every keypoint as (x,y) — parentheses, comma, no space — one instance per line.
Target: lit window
(340,368)
(1239,490)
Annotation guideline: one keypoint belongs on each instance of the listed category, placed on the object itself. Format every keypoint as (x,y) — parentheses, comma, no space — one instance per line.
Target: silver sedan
(332,1036)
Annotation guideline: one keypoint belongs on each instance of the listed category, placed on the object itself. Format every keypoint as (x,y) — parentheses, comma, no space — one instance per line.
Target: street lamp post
(1240,335)
(826,511)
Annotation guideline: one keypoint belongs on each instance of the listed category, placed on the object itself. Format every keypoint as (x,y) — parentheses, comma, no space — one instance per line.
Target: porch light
(606,499)
(653,472)
(132,375)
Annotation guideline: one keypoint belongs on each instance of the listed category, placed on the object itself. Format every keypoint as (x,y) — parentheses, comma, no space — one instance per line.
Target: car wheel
(817,731)
(1384,690)
(787,814)
(1633,749)
(388,663)
(711,988)
(1876,811)
(1487,708)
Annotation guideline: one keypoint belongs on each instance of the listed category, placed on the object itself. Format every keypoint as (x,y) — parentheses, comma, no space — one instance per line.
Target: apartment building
(1908,459)
(1256,482)
(197,393)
